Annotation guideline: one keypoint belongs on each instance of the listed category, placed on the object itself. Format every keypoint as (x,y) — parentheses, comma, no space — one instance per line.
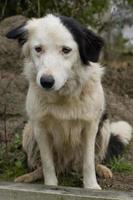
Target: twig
(38,8)
(5,128)
(3,10)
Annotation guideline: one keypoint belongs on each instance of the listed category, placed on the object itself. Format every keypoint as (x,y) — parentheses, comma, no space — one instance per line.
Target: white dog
(65,100)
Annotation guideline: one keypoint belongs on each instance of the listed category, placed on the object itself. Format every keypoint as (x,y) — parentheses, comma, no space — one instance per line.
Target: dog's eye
(38,49)
(66,50)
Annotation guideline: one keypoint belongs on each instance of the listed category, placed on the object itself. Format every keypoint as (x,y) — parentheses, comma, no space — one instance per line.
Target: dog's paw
(94,187)
(103,171)
(51,182)
(27,178)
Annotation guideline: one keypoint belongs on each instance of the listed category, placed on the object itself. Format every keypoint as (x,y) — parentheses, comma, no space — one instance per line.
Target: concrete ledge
(15,191)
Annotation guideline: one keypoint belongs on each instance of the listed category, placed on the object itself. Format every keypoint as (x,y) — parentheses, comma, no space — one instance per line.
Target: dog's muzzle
(47,81)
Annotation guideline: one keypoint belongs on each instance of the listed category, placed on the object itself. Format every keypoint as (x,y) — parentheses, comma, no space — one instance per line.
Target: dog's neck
(70,105)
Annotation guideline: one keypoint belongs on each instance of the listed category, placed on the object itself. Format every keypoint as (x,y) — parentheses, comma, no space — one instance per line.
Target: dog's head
(53,46)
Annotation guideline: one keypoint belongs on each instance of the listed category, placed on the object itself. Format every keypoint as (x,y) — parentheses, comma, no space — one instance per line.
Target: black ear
(89,43)
(92,45)
(19,33)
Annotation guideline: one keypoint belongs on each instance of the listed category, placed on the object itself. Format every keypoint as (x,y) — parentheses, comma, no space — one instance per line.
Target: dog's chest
(66,139)
(65,132)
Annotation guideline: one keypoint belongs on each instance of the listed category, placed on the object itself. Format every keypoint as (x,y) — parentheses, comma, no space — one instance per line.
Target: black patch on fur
(115,148)
(88,42)
(19,33)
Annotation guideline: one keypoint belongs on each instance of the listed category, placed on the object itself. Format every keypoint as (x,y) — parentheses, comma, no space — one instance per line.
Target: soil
(120,181)
(118,85)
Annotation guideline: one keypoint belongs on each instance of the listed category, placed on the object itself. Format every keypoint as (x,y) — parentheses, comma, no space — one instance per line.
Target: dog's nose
(47,81)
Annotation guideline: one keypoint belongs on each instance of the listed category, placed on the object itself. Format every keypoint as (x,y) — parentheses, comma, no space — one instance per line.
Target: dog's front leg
(41,136)
(89,174)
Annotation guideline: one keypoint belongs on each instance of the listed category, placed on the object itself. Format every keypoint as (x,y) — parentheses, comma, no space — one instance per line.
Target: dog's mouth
(67,89)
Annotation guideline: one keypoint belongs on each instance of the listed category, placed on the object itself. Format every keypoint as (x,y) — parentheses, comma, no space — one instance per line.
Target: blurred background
(113,20)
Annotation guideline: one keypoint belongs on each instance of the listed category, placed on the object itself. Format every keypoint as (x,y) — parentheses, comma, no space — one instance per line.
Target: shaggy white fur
(70,113)
(123,130)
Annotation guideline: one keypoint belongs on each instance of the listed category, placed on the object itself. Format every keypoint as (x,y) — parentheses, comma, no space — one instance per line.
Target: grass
(12,160)
(119,165)
(72,179)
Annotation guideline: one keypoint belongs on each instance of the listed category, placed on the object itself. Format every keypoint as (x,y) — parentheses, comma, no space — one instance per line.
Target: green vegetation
(12,160)
(72,179)
(119,165)
(85,11)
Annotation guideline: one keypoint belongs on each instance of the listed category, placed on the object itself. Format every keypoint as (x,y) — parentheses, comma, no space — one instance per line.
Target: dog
(65,102)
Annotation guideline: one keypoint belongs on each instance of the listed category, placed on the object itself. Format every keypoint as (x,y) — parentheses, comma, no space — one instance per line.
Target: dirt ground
(118,84)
